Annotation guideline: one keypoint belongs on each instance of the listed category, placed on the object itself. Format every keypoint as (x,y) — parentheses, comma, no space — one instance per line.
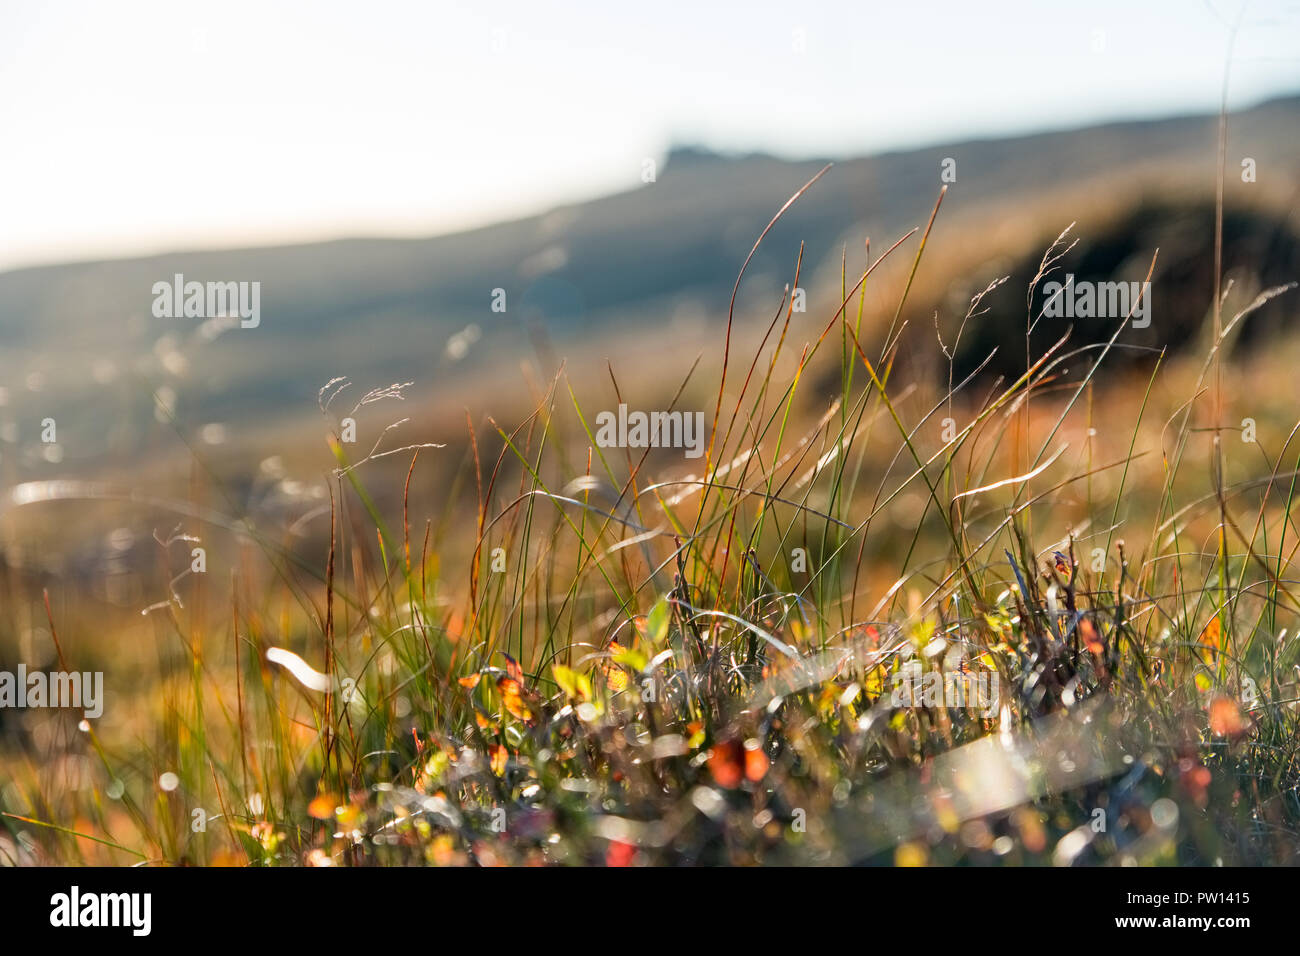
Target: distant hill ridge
(383,310)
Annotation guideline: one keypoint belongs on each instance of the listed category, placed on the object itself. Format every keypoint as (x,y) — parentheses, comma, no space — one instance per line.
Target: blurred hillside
(612,277)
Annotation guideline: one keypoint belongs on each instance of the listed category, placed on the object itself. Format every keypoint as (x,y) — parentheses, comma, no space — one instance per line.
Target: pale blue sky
(145,126)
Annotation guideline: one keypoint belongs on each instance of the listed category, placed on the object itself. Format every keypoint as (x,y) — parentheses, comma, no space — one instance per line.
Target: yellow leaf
(566,678)
(1211,640)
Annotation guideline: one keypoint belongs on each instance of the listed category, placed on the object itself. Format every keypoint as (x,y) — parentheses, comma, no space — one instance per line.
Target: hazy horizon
(461,119)
(164,247)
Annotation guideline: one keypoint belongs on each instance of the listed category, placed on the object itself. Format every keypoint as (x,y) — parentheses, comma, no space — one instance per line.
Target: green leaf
(632,659)
(657,623)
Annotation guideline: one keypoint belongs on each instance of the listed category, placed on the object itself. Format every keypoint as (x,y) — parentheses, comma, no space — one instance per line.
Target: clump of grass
(639,666)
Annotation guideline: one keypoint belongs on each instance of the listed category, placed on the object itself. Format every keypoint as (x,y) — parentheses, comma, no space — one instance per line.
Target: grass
(569,654)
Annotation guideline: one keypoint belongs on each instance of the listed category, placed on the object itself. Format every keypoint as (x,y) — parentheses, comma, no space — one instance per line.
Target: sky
(140,127)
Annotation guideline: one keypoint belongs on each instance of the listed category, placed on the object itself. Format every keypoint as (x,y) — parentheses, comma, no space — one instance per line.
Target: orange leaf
(1091,639)
(512,697)
(497,753)
(322,808)
(726,763)
(615,676)
(620,853)
(1225,718)
(471,681)
(756,762)
(513,669)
